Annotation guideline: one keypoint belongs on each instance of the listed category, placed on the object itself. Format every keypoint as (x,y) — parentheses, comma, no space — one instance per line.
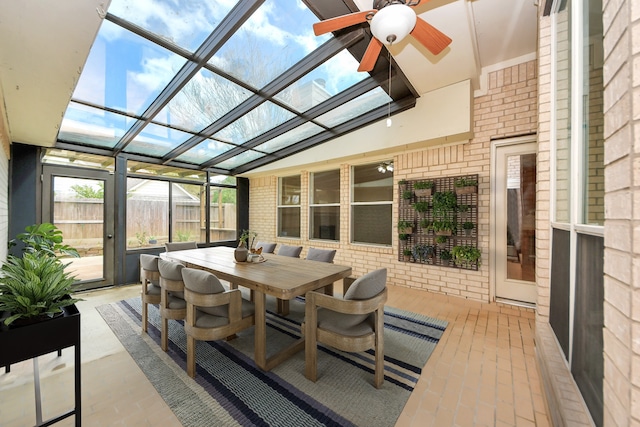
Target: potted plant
(423,252)
(441,241)
(445,257)
(443,227)
(465,185)
(35,287)
(466,256)
(403,237)
(463,211)
(426,225)
(468,227)
(405,227)
(421,207)
(423,188)
(407,194)
(444,202)
(406,254)
(152,240)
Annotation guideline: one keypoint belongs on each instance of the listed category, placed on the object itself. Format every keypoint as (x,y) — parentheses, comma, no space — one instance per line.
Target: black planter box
(18,343)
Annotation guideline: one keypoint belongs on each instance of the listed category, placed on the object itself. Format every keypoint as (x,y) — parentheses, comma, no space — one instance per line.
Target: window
(187,203)
(371,205)
(222,209)
(289,206)
(147,213)
(324,205)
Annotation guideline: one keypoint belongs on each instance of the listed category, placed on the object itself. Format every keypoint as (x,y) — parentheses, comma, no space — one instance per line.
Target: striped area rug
(230,390)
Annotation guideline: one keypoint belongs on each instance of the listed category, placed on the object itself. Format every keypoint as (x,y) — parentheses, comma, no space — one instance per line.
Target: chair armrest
(317,299)
(233,297)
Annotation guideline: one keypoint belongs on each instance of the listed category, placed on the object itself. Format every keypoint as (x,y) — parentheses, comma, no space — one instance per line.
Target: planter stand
(30,341)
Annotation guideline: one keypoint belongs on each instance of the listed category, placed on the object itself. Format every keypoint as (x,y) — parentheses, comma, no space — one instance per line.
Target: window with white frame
(324,205)
(371,204)
(289,206)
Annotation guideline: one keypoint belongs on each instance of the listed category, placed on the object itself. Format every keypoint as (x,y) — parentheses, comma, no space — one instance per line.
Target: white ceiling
(44,44)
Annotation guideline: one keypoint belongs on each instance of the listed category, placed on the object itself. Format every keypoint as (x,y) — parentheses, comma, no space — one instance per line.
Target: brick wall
(622,211)
(508,108)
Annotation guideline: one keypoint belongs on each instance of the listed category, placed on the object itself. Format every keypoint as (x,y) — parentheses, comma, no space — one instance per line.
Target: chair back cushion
(267,247)
(368,286)
(180,246)
(149,262)
(170,270)
(201,281)
(291,251)
(323,255)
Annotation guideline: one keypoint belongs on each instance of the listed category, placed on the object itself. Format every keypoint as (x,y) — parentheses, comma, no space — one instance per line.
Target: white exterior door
(513,220)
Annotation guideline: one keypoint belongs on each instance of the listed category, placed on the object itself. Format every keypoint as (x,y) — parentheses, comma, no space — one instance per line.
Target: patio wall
(507,108)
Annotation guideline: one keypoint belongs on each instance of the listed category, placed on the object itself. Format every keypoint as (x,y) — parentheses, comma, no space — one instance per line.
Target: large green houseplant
(36,286)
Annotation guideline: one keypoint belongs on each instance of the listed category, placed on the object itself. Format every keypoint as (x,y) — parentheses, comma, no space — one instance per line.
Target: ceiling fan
(391,21)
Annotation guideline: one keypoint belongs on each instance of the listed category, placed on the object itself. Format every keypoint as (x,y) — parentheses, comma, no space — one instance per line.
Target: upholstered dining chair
(150,279)
(172,303)
(322,255)
(267,247)
(213,313)
(294,252)
(180,246)
(352,324)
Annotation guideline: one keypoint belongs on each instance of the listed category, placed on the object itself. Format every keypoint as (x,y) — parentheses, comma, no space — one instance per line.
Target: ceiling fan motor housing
(393,23)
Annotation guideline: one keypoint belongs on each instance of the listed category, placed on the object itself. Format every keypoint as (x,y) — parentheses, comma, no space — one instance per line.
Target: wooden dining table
(279,276)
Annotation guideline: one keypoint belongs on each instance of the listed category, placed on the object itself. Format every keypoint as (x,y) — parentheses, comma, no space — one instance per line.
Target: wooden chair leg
(310,344)
(191,357)
(379,374)
(144,316)
(164,335)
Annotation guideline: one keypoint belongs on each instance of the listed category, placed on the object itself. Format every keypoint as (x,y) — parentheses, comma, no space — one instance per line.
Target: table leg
(260,355)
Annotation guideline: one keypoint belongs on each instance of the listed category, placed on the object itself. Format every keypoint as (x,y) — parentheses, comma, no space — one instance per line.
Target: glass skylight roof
(224,86)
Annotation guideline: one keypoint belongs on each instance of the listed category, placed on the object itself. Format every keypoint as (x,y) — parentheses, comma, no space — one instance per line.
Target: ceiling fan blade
(430,37)
(340,22)
(371,55)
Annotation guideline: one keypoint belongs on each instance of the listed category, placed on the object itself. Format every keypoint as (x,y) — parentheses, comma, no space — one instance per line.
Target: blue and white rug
(229,390)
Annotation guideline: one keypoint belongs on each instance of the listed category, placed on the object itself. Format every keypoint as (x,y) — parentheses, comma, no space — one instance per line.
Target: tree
(85,191)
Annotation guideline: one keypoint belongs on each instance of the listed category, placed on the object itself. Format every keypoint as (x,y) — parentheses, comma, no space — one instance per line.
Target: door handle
(109,236)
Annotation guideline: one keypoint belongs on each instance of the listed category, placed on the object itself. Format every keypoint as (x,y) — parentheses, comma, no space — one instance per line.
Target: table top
(281,276)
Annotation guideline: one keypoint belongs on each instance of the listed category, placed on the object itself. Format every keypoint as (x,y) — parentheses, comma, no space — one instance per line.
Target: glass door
(515,222)
(80,203)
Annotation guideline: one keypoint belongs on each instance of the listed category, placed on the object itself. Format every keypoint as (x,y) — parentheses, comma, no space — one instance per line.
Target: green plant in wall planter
(444,227)
(441,241)
(444,203)
(466,185)
(403,237)
(426,225)
(406,254)
(445,257)
(423,188)
(405,227)
(423,252)
(468,227)
(466,256)
(407,194)
(463,211)
(421,207)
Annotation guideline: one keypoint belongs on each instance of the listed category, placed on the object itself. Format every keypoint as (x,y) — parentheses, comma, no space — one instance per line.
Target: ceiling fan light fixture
(393,23)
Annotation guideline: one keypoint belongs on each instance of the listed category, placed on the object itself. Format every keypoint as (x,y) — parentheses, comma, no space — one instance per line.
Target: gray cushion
(267,248)
(323,255)
(204,282)
(176,303)
(153,289)
(170,270)
(368,286)
(180,246)
(201,281)
(346,324)
(292,251)
(365,287)
(209,317)
(149,262)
